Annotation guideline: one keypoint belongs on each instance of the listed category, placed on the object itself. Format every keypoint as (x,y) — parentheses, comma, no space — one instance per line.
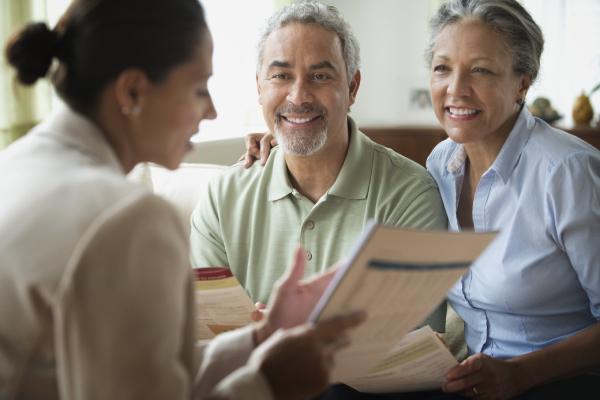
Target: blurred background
(392,34)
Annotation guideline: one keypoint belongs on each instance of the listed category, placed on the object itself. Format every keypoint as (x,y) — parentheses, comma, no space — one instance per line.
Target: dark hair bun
(31,51)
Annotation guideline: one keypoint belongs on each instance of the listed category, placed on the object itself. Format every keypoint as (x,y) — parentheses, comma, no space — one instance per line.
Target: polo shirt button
(308,255)
(310,225)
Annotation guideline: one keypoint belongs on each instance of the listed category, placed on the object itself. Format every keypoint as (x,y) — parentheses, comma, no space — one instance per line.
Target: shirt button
(308,255)
(310,225)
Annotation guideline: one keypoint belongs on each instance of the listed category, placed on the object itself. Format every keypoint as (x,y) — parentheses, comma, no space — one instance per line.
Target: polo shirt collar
(352,181)
(354,177)
(280,185)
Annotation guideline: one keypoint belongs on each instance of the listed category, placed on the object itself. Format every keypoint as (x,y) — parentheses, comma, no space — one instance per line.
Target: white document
(399,277)
(222,303)
(419,362)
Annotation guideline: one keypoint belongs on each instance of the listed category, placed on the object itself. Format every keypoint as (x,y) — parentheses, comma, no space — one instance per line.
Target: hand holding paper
(293,300)
(297,361)
(398,276)
(224,305)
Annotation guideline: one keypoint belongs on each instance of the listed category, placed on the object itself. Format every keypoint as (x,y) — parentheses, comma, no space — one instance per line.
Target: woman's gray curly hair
(523,37)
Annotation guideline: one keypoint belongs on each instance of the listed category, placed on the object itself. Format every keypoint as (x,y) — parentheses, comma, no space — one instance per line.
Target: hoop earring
(520,102)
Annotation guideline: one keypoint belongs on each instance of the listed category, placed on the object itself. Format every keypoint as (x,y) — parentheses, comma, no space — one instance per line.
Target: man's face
(304,89)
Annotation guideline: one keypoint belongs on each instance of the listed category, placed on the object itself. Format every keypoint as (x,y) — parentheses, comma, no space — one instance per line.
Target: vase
(582,111)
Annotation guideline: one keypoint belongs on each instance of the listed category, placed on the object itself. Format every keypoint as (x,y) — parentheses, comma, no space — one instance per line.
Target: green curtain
(20,107)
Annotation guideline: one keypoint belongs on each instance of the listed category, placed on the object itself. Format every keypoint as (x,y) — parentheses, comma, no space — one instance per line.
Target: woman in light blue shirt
(531,302)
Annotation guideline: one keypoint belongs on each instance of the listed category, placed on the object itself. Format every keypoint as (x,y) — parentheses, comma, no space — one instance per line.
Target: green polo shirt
(251,220)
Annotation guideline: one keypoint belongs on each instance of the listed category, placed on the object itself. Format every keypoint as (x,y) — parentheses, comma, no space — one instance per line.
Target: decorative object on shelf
(583,113)
(582,110)
(542,108)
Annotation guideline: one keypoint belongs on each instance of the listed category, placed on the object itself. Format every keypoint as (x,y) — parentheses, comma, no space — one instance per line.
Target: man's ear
(131,88)
(258,89)
(354,85)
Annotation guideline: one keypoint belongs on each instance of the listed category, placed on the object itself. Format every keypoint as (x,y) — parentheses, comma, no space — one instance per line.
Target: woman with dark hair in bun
(96,299)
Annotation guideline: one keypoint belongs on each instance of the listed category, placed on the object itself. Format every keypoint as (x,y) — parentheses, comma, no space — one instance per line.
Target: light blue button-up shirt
(539,281)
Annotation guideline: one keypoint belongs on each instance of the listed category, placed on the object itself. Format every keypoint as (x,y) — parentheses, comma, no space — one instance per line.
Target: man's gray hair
(314,12)
(522,36)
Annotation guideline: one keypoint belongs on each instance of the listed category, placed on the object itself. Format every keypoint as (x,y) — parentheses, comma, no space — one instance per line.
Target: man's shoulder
(395,167)
(237,179)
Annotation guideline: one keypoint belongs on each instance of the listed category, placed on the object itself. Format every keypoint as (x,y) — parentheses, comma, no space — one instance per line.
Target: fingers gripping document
(398,276)
(418,362)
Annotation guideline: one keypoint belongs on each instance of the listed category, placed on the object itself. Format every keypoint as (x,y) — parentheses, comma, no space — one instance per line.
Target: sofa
(183,186)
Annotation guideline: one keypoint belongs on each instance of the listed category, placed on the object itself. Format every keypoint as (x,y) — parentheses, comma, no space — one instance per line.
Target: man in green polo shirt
(324,180)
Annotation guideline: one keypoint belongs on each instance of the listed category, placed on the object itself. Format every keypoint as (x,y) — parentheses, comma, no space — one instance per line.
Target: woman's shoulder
(441,155)
(141,211)
(557,146)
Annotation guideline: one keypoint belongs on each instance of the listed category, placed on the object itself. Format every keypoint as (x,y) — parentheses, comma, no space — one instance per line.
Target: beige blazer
(96,297)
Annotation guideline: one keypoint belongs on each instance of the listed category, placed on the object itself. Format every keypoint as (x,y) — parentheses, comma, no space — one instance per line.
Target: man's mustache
(302,109)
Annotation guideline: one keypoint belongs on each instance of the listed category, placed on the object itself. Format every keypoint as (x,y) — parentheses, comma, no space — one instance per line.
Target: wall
(394,28)
(393,37)
(394,33)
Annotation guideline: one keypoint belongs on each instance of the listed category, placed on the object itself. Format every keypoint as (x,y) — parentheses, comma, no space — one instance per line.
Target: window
(235,27)
(571,59)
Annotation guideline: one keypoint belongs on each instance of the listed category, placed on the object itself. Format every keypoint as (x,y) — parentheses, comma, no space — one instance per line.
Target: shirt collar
(509,153)
(75,131)
(354,177)
(280,185)
(352,181)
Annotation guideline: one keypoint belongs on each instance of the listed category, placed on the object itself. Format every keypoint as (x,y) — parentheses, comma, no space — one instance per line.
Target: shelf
(416,142)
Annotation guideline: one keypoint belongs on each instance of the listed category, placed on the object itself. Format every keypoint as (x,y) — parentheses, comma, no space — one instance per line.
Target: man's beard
(301,142)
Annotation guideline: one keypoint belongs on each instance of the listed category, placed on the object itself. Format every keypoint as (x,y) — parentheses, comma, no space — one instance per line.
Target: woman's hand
(484,377)
(283,334)
(258,146)
(293,299)
(297,362)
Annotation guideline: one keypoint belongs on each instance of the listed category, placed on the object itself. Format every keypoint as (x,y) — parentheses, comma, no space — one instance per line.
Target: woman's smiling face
(474,88)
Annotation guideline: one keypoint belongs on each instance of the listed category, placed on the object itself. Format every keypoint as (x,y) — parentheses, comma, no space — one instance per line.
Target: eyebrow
(323,64)
(280,64)
(320,65)
(475,59)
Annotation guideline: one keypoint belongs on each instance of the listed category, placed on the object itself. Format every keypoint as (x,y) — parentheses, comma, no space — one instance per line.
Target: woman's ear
(130,90)
(524,85)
